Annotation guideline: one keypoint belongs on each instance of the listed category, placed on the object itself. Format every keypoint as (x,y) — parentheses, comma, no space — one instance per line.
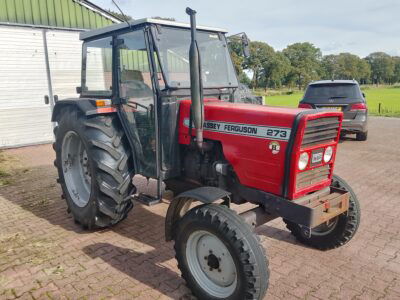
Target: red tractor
(156,100)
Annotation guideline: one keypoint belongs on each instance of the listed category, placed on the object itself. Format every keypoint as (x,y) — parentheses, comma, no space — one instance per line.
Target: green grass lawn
(389,97)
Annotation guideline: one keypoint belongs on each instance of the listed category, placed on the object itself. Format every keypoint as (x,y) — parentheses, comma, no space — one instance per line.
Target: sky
(356,26)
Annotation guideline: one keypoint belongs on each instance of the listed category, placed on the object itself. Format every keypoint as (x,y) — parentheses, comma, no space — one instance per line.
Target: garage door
(24,118)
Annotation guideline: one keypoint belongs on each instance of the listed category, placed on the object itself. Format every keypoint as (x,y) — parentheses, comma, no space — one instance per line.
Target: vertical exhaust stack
(196,87)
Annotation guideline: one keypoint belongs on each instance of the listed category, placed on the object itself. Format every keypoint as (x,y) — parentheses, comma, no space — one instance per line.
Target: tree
(164,18)
(120,16)
(382,67)
(364,72)
(260,55)
(236,51)
(351,66)
(396,72)
(305,61)
(329,68)
(275,69)
(345,66)
(243,78)
(237,62)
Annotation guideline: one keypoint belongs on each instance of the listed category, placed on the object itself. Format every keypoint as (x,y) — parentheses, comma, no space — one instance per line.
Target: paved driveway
(44,255)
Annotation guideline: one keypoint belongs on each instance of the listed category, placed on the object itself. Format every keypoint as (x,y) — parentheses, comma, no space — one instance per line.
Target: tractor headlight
(328,154)
(303,160)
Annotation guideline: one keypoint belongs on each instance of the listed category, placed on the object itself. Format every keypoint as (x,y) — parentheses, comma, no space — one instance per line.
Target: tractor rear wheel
(94,167)
(336,232)
(219,256)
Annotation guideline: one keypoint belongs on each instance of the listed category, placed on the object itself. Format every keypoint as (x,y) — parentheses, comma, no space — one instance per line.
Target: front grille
(318,131)
(311,177)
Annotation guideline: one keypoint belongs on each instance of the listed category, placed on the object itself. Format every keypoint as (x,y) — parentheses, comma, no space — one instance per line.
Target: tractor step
(146,199)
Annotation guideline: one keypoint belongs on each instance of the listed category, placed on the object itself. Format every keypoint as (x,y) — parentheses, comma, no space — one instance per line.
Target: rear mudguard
(181,204)
(85,105)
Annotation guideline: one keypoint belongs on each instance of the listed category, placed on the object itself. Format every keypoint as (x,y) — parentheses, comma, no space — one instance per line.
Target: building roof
(335,81)
(65,14)
(123,25)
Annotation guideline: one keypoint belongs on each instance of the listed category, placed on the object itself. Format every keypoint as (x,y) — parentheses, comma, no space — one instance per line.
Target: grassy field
(387,96)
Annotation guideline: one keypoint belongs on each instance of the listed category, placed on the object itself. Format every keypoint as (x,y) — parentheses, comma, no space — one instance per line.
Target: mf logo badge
(275,147)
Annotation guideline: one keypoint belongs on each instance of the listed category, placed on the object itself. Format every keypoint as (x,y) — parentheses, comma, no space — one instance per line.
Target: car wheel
(362,136)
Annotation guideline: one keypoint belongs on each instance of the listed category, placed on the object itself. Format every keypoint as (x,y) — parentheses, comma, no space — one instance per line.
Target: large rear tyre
(95,168)
(219,256)
(337,231)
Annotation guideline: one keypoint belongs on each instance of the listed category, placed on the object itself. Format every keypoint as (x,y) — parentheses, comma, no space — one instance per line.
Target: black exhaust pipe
(196,87)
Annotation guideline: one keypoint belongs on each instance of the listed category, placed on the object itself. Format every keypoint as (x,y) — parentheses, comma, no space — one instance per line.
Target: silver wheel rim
(211,264)
(325,228)
(75,165)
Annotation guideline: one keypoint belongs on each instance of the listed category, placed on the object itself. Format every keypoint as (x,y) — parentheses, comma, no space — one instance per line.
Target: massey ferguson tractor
(156,100)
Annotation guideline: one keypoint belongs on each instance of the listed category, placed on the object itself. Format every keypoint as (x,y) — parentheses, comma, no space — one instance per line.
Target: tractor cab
(144,66)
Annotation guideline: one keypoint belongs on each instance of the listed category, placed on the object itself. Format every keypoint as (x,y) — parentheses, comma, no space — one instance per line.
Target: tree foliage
(261,55)
(120,16)
(236,50)
(345,66)
(164,18)
(396,72)
(305,61)
(277,70)
(382,67)
(300,63)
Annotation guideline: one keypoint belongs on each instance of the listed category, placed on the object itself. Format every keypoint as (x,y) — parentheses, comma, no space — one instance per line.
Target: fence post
(379,108)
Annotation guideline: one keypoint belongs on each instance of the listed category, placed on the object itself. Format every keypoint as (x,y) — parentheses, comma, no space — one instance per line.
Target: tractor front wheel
(335,232)
(219,256)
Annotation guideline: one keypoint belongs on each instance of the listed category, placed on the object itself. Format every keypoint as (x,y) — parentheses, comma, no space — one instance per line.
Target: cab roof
(96,32)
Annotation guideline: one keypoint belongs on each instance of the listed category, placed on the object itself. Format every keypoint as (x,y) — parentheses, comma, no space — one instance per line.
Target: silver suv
(342,95)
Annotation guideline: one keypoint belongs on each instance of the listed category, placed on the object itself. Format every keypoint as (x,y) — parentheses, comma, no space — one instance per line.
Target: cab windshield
(216,65)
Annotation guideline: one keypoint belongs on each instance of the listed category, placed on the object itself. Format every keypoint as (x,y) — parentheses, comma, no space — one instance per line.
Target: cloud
(332,47)
(357,26)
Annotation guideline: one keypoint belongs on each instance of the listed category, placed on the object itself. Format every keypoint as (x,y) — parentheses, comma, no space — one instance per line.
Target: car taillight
(305,105)
(358,106)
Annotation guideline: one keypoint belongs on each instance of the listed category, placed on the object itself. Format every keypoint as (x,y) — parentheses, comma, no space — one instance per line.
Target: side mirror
(246,45)
(364,95)
(78,90)
(46,99)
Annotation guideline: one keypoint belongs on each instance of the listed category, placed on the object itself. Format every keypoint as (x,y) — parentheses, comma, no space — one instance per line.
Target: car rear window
(328,91)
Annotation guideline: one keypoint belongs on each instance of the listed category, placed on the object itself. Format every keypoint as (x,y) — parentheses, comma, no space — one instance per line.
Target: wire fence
(383,109)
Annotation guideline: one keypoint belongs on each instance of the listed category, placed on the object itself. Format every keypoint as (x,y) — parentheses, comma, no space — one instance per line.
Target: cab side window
(97,67)
(135,78)
(136,89)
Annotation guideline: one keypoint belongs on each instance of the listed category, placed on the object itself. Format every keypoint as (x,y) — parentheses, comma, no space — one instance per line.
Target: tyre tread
(111,159)
(338,238)
(230,223)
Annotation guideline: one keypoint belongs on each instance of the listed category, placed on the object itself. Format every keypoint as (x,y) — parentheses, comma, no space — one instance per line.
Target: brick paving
(44,255)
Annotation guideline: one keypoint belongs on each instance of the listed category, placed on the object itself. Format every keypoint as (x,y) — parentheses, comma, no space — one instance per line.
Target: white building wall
(24,117)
